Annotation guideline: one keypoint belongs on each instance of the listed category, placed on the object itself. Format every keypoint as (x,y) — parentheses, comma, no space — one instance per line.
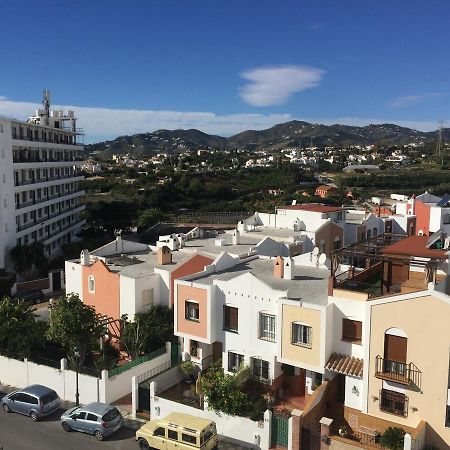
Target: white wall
(236,429)
(74,278)
(7,201)
(251,296)
(353,392)
(436,217)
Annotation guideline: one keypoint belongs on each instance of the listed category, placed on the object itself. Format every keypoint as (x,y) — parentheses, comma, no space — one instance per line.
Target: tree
(149,218)
(29,260)
(149,331)
(20,334)
(75,326)
(393,438)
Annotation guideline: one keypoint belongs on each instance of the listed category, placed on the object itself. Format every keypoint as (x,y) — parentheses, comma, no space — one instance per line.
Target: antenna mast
(439,152)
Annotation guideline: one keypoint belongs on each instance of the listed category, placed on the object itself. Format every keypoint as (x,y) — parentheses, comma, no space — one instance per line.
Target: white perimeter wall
(353,392)
(24,373)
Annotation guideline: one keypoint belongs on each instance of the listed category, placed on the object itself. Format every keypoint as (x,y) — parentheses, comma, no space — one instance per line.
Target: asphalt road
(18,432)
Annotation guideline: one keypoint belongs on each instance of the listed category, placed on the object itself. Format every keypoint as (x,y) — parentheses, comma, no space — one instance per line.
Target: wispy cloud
(275,85)
(316,26)
(106,123)
(407,100)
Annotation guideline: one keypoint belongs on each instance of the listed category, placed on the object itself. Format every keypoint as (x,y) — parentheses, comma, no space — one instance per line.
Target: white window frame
(257,365)
(302,337)
(188,309)
(91,284)
(267,327)
(233,361)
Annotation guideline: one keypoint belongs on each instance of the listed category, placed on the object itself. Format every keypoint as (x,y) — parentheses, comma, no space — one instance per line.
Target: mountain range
(290,134)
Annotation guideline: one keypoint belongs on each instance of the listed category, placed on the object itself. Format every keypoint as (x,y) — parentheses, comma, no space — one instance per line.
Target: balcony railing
(45,179)
(398,372)
(36,201)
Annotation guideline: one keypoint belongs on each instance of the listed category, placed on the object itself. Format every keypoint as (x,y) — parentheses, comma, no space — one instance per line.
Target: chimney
(85,258)
(278,267)
(288,271)
(236,237)
(164,256)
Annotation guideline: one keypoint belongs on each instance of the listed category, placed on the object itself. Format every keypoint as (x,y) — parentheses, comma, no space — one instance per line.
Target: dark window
(49,397)
(260,369)
(33,400)
(160,431)
(81,415)
(301,335)
(171,434)
(188,438)
(235,361)
(110,415)
(192,311)
(351,330)
(393,402)
(230,318)
(267,327)
(91,417)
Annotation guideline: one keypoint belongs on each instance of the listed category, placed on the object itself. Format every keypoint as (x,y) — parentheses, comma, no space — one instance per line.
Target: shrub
(392,438)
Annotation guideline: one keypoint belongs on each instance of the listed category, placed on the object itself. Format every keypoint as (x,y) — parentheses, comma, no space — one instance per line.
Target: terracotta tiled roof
(347,365)
(414,246)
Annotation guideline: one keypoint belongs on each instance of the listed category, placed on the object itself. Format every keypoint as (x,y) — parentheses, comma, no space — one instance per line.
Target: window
(91,417)
(192,311)
(188,438)
(301,335)
(81,415)
(260,369)
(339,216)
(193,348)
(394,402)
(267,327)
(337,243)
(322,246)
(91,284)
(171,434)
(230,318)
(352,330)
(235,361)
(147,297)
(160,431)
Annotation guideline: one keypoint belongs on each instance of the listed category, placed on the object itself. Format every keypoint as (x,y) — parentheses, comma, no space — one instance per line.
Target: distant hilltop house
(325,191)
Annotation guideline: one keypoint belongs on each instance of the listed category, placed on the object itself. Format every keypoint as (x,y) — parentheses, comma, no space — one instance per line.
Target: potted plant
(343,431)
(188,369)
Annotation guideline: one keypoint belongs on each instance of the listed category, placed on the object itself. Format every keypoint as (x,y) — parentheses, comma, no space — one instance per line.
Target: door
(395,352)
(78,421)
(20,403)
(217,350)
(56,281)
(280,430)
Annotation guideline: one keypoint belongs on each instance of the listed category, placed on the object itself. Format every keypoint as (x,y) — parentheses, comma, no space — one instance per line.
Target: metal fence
(135,362)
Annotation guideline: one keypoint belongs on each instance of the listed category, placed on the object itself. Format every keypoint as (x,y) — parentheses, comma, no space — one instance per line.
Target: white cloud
(407,100)
(275,85)
(104,123)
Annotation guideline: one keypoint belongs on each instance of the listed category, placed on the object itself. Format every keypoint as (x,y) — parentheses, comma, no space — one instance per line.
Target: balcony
(62,196)
(71,177)
(397,372)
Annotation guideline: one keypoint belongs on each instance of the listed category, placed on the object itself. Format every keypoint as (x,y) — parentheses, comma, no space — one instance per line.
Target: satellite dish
(315,252)
(322,259)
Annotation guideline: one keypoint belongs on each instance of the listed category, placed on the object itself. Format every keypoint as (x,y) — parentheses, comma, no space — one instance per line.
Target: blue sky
(227,65)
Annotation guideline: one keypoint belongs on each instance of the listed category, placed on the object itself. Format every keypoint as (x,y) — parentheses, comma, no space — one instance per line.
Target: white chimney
(85,258)
(236,237)
(288,273)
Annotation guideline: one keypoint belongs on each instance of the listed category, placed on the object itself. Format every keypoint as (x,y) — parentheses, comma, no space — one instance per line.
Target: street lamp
(76,356)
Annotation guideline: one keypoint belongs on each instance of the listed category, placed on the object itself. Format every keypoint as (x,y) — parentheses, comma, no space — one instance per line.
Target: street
(18,432)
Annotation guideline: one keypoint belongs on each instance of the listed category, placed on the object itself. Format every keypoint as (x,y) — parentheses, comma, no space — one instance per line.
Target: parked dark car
(32,296)
(35,401)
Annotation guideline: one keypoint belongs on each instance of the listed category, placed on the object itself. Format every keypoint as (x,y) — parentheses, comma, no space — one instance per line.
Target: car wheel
(33,416)
(98,435)
(6,408)
(66,426)
(143,444)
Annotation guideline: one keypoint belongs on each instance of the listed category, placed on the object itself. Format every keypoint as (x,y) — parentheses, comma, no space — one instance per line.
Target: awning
(347,365)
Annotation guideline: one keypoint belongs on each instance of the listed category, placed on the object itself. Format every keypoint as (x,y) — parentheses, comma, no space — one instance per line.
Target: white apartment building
(40,198)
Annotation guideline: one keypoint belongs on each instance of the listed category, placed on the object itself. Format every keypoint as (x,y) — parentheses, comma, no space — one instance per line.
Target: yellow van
(178,431)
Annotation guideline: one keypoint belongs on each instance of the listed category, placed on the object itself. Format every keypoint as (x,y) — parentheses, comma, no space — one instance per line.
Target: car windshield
(49,397)
(110,415)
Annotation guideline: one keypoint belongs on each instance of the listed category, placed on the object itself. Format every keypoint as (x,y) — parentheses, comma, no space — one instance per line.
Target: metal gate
(311,436)
(144,397)
(280,430)
(175,353)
